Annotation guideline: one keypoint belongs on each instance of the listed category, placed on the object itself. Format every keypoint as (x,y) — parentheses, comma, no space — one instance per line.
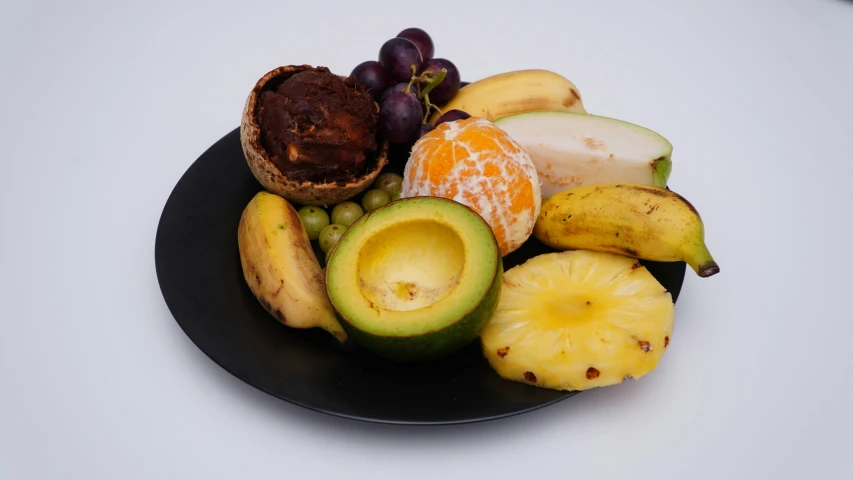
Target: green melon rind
(661,168)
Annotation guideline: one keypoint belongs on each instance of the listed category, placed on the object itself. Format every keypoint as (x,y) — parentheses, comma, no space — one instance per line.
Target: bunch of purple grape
(408,83)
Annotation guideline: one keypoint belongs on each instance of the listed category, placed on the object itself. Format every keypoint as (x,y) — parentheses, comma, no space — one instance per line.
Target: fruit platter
(396,245)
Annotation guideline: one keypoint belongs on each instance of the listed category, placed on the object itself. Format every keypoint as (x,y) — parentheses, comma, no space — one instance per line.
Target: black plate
(198,268)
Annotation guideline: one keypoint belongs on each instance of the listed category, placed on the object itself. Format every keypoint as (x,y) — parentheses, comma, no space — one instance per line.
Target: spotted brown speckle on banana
(571,99)
(575,93)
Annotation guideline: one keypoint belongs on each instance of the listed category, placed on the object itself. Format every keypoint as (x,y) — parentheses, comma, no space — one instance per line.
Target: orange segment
(477,164)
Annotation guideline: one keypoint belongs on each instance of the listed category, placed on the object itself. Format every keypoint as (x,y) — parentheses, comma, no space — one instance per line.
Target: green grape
(315,219)
(330,235)
(389,183)
(395,196)
(374,199)
(346,213)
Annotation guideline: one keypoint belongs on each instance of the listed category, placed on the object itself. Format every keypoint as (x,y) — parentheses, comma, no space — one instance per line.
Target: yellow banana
(280,267)
(516,92)
(639,221)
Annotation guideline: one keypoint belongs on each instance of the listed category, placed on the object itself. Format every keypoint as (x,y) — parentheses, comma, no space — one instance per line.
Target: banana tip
(708,269)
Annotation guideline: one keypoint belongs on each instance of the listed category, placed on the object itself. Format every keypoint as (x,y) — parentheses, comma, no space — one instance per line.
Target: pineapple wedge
(578,319)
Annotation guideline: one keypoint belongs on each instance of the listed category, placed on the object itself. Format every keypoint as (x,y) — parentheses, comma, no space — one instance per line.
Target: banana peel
(634,220)
(280,267)
(515,92)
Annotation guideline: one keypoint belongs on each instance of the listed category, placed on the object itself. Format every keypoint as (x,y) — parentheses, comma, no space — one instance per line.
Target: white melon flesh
(571,150)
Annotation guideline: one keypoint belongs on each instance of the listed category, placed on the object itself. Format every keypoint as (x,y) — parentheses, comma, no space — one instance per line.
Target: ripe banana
(515,92)
(281,268)
(639,221)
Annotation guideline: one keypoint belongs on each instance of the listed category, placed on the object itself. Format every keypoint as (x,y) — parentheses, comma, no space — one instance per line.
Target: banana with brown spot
(639,221)
(280,267)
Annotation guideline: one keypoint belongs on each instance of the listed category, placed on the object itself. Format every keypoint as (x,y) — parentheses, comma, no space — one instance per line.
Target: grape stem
(411,83)
(432,81)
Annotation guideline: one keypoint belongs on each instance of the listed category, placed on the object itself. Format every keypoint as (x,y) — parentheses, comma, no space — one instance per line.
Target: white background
(106,104)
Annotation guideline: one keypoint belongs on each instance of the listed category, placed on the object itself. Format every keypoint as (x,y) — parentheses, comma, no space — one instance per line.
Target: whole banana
(515,92)
(280,267)
(639,221)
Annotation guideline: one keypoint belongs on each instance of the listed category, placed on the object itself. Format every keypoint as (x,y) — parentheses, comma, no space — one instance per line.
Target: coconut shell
(272,179)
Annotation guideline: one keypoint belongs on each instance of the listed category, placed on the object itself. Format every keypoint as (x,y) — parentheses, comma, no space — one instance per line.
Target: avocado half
(417,279)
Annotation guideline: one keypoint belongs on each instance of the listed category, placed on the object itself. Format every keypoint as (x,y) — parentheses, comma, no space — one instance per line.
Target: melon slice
(572,150)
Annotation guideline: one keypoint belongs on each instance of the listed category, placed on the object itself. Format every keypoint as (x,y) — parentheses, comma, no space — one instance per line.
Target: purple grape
(452,116)
(400,117)
(449,86)
(425,128)
(421,39)
(372,76)
(397,87)
(397,57)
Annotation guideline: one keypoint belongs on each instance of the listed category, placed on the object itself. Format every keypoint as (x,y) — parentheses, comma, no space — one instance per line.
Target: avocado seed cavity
(410,265)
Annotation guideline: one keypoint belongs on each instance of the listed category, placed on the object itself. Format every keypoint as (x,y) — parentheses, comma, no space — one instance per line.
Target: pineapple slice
(578,319)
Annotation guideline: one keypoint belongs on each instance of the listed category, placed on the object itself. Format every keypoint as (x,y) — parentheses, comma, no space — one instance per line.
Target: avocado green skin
(436,344)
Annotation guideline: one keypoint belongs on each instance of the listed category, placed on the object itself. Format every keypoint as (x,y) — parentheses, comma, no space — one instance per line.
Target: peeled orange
(475,163)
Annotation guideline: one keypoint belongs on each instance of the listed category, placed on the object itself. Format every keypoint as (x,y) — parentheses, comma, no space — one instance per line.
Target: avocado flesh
(416,279)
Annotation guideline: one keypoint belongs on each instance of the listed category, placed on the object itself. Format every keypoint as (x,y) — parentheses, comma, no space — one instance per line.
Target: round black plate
(198,268)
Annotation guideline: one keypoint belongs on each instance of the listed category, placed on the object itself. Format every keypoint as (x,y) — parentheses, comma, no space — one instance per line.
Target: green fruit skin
(324,241)
(436,344)
(370,199)
(315,223)
(346,213)
(661,168)
(389,183)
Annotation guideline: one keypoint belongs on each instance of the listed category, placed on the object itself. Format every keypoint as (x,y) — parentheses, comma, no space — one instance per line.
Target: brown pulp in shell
(317,126)
(310,135)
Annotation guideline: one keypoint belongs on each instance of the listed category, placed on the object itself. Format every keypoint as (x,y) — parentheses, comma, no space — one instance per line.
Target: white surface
(104,108)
